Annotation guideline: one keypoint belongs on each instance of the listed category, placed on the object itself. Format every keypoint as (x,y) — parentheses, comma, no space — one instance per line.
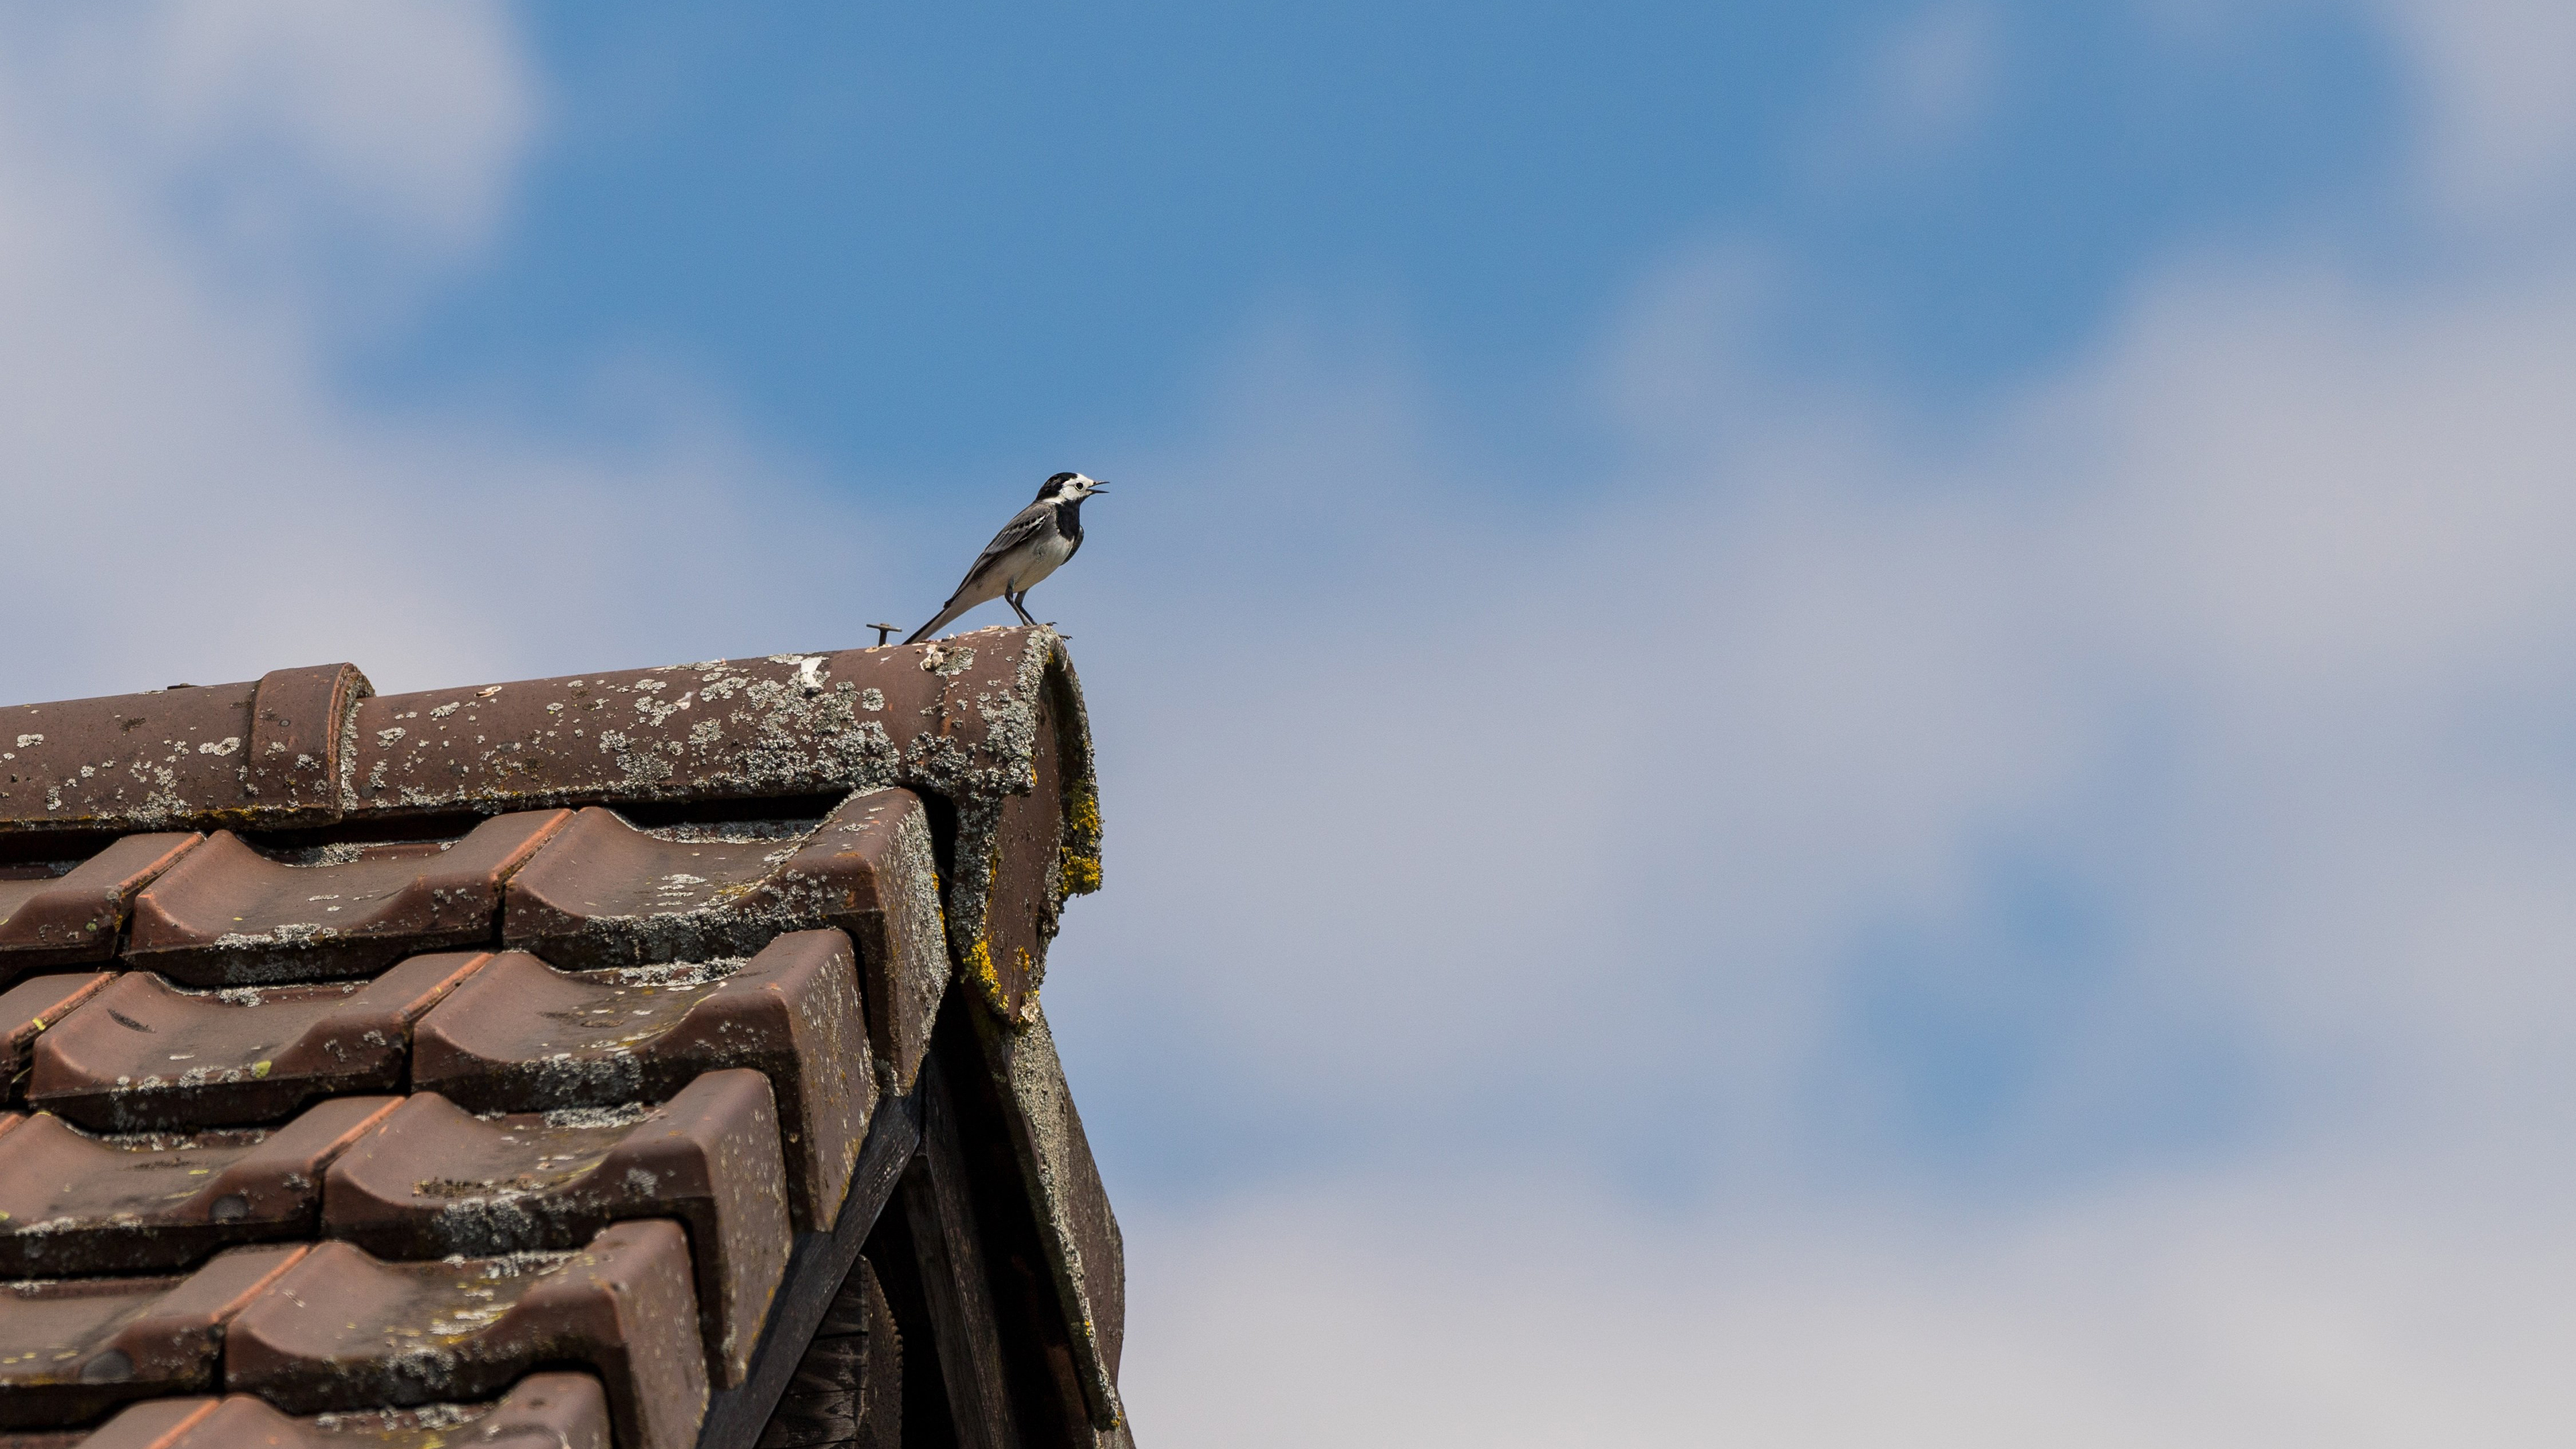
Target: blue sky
(1087,209)
(1833,726)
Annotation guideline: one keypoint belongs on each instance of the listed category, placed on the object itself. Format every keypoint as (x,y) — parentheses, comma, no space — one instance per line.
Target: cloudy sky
(1830,724)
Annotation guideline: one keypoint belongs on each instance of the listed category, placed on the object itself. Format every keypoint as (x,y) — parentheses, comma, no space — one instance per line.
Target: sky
(1824,725)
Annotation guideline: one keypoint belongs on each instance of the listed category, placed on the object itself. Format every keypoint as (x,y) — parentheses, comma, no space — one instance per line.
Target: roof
(569,1060)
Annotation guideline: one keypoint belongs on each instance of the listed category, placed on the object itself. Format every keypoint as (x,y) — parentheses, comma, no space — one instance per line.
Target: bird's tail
(934,626)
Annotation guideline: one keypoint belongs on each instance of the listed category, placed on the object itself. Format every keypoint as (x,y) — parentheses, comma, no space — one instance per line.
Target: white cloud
(1919,92)
(1553,833)
(2496,83)
(191,494)
(1509,1311)
(1808,671)
(256,125)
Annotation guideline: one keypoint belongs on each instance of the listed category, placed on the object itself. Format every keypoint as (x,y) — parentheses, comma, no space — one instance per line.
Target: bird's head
(1070,488)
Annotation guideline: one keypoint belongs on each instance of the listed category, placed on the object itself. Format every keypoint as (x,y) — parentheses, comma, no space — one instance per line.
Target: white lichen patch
(626,1115)
(681,975)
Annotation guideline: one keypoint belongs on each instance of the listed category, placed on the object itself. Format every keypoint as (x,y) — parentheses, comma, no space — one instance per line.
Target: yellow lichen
(1078,859)
(1081,871)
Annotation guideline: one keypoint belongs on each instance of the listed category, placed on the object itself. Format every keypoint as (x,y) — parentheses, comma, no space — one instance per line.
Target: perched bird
(1031,546)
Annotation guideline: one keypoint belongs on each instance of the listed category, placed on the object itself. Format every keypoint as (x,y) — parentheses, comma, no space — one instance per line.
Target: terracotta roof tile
(607,893)
(133,762)
(29,1008)
(144,1055)
(668,1059)
(345,1330)
(292,767)
(434,1180)
(541,1411)
(990,722)
(71,1348)
(72,1203)
(523,1036)
(270,749)
(148,1425)
(68,912)
(230,915)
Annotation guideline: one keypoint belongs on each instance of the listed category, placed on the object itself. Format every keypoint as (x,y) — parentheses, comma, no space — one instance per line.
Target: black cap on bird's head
(1070,487)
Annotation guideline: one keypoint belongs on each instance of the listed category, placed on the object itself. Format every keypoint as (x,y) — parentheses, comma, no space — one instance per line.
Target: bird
(1035,543)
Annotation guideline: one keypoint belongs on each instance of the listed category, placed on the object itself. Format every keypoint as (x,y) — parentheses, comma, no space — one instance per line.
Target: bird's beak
(1099,486)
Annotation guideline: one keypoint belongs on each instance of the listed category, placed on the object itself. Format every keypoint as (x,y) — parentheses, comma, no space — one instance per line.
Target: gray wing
(1027,524)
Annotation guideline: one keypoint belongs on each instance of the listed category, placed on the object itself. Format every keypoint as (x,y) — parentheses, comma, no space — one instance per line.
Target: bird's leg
(1014,601)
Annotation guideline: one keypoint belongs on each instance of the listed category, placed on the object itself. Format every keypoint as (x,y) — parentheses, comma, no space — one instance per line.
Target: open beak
(1099,485)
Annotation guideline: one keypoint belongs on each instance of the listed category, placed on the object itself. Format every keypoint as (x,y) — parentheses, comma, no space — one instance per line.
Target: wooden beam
(816,1269)
(1076,1234)
(847,1392)
(939,1209)
(924,1390)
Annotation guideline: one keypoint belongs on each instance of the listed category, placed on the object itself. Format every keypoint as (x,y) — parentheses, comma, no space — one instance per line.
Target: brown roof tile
(345,1330)
(74,1203)
(728,729)
(143,1055)
(131,762)
(150,1424)
(29,1008)
(224,753)
(68,912)
(981,720)
(524,1036)
(606,893)
(542,1411)
(991,721)
(434,1180)
(72,1348)
(232,915)
(299,737)
(704,1065)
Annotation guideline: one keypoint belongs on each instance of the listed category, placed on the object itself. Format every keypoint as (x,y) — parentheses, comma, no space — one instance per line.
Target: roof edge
(978,719)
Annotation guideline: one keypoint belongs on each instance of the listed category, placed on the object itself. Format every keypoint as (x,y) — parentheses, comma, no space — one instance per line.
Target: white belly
(1042,557)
